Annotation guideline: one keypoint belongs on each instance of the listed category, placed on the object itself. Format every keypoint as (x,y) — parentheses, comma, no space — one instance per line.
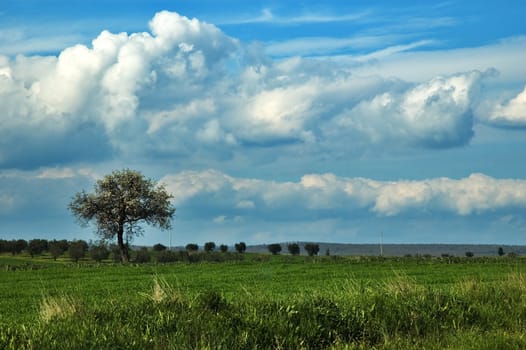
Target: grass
(266,302)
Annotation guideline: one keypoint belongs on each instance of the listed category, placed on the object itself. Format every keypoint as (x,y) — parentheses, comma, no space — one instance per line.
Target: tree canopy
(120,202)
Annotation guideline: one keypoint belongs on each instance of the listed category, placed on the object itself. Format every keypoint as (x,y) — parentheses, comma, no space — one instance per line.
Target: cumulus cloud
(214,193)
(436,113)
(186,89)
(510,113)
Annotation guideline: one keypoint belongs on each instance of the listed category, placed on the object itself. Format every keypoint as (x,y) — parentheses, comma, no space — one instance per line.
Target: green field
(265,302)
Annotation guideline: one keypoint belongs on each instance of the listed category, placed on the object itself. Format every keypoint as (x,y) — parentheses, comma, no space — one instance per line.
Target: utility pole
(382,243)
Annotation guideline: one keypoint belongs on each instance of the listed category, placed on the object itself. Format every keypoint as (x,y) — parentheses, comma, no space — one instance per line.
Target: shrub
(293,248)
(99,252)
(159,247)
(223,248)
(240,247)
(274,248)
(115,252)
(209,247)
(470,254)
(143,256)
(167,256)
(312,249)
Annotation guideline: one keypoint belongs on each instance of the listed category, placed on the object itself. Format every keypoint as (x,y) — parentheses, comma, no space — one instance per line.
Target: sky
(269,121)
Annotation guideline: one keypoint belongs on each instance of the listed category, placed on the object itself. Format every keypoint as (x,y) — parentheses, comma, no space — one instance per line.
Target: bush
(223,248)
(209,247)
(274,248)
(240,247)
(167,256)
(159,247)
(115,252)
(294,248)
(99,252)
(192,247)
(470,254)
(312,249)
(143,256)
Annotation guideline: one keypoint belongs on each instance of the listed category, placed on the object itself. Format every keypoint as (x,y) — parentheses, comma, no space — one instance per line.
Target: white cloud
(187,89)
(511,112)
(327,194)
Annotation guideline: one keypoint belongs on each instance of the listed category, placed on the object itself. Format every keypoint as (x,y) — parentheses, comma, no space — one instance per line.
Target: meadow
(261,301)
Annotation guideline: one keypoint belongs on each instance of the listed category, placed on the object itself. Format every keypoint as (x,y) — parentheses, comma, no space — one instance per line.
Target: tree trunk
(125,256)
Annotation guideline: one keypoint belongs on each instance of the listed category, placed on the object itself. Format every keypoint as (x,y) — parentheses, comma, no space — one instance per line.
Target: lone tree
(274,248)
(240,247)
(294,248)
(120,202)
(312,249)
(209,247)
(500,251)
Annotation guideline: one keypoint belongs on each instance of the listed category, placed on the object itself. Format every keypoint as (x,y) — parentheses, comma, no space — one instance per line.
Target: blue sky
(270,121)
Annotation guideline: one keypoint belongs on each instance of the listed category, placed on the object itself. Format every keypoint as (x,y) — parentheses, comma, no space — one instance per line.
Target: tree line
(98,251)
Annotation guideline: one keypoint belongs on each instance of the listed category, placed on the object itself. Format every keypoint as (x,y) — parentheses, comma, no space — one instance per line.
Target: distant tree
(327,252)
(143,255)
(3,246)
(159,247)
(192,247)
(56,249)
(470,254)
(293,248)
(209,247)
(119,203)
(240,247)
(18,246)
(500,251)
(37,246)
(223,248)
(99,252)
(77,250)
(274,248)
(312,248)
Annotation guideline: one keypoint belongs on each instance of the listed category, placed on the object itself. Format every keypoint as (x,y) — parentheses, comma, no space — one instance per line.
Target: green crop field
(265,302)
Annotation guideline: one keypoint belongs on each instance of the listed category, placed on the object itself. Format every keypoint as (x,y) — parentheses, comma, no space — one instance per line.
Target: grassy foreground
(265,303)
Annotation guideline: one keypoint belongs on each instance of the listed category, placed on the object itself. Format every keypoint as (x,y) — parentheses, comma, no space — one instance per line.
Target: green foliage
(77,250)
(223,248)
(274,248)
(159,247)
(120,202)
(167,256)
(37,246)
(500,251)
(209,247)
(469,254)
(240,247)
(312,248)
(293,248)
(13,246)
(143,256)
(99,252)
(192,247)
